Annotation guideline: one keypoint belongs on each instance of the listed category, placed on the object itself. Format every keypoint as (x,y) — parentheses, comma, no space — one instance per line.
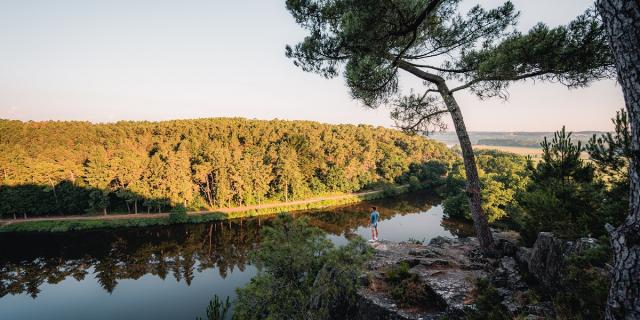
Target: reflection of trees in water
(31,260)
(178,251)
(344,220)
(457,228)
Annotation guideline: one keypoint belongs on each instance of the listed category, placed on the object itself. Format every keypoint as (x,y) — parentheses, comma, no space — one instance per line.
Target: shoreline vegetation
(113,221)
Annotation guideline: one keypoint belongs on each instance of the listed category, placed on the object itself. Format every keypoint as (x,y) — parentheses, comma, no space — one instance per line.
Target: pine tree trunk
(473,180)
(622,21)
(480,223)
(53,187)
(286,192)
(208,192)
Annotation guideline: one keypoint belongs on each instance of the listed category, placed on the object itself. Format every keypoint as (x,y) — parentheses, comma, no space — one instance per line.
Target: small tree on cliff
(622,21)
(370,40)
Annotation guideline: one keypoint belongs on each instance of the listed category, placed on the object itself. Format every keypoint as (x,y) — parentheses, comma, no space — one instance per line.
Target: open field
(523,151)
(535,153)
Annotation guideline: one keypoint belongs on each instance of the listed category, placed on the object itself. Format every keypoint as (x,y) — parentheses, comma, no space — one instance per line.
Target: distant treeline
(75,167)
(509,143)
(528,138)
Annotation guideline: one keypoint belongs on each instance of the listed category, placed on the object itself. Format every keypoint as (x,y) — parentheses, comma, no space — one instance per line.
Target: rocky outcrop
(507,278)
(447,268)
(547,260)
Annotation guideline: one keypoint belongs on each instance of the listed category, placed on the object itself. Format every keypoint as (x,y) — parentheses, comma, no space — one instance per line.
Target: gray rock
(549,256)
(439,241)
(447,268)
(373,306)
(523,255)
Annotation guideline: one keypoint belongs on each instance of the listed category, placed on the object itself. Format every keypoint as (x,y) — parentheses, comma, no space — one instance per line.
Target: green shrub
(503,175)
(566,196)
(177,218)
(414,184)
(390,190)
(179,209)
(297,264)
(586,285)
(407,289)
(217,310)
(488,304)
(178,215)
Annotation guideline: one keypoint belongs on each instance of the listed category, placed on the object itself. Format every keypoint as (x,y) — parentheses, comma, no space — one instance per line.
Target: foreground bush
(301,275)
(503,176)
(217,310)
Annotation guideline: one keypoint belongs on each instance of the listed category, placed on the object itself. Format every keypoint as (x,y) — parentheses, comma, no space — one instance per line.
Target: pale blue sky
(99,60)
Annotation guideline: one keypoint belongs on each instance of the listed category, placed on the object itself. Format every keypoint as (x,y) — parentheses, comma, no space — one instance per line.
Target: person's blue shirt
(374,218)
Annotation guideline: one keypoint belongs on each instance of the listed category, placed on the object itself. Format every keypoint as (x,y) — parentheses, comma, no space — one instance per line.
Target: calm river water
(172,272)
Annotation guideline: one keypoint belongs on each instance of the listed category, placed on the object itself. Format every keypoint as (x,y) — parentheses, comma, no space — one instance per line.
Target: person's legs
(375,230)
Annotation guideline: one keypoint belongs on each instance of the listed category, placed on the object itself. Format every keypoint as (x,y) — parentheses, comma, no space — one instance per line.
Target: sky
(104,61)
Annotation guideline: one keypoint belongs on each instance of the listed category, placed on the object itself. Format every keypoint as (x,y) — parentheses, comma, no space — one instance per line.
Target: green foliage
(76,225)
(406,288)
(390,190)
(62,226)
(301,274)
(502,175)
(574,55)
(611,153)
(488,304)
(179,209)
(457,206)
(414,183)
(427,175)
(612,150)
(567,196)
(178,214)
(586,285)
(201,164)
(561,160)
(217,310)
(177,218)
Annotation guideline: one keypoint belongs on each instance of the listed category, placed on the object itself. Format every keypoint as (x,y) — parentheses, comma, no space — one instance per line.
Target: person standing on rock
(373,224)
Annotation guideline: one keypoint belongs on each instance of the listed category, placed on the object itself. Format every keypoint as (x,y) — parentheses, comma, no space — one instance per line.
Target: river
(171,272)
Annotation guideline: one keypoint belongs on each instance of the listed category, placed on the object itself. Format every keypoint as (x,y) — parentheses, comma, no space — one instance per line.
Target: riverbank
(81,222)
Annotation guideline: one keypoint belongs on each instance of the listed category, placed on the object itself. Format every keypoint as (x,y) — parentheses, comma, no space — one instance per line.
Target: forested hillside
(76,167)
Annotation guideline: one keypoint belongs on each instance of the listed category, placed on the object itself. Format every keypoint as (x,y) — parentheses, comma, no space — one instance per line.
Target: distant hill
(509,139)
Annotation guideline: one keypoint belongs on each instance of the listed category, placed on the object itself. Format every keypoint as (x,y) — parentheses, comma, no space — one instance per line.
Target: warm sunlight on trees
(207,163)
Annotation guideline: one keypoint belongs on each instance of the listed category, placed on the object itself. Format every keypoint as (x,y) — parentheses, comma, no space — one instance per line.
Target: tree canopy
(481,50)
(73,167)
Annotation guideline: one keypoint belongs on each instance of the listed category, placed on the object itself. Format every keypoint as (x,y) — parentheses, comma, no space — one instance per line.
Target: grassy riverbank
(161,219)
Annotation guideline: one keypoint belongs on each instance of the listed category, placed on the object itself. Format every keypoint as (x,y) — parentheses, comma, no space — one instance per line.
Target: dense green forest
(75,167)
